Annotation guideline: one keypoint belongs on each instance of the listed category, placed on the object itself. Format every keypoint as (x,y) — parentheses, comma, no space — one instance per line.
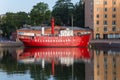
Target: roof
(46,27)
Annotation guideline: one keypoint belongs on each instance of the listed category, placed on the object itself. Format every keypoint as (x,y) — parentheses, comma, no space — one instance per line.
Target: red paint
(82,40)
(52,22)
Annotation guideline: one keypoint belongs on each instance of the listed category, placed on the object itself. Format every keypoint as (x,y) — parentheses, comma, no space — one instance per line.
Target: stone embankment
(105,43)
(93,43)
(10,44)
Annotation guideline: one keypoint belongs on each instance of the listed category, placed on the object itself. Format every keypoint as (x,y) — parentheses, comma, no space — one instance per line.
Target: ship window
(32,37)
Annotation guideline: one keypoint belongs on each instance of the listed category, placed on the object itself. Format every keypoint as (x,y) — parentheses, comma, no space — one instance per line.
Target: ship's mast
(52,25)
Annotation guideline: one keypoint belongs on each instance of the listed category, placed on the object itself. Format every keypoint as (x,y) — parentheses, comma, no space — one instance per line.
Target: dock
(93,43)
(10,44)
(111,43)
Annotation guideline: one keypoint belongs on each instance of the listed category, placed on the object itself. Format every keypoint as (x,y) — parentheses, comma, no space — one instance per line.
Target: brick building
(103,16)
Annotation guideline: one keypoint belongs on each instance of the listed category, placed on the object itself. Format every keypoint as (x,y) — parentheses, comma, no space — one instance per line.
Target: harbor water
(74,63)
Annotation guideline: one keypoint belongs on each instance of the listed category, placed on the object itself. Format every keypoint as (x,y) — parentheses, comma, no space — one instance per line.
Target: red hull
(82,40)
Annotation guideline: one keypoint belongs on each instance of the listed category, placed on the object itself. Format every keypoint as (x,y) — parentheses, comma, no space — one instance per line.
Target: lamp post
(71,13)
(72,20)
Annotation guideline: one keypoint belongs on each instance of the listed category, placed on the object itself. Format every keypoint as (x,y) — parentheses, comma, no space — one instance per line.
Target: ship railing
(84,33)
(51,35)
(25,36)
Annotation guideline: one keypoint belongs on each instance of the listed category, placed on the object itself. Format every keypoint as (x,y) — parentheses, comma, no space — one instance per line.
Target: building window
(97,36)
(97,29)
(105,2)
(114,59)
(105,22)
(114,78)
(114,62)
(97,22)
(97,2)
(105,59)
(114,15)
(98,9)
(97,15)
(114,9)
(113,28)
(98,66)
(114,2)
(105,9)
(105,29)
(113,22)
(105,15)
(98,73)
(114,65)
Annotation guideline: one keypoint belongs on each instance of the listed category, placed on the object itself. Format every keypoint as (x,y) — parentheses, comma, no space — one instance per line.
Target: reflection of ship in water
(51,57)
(59,55)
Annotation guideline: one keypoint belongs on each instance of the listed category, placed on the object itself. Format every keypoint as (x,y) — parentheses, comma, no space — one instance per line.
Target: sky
(24,5)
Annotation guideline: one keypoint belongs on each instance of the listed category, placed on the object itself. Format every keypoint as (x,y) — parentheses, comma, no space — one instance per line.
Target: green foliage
(21,19)
(40,14)
(79,19)
(12,21)
(62,12)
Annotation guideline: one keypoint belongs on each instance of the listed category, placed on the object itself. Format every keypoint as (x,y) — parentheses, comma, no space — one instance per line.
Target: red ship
(64,38)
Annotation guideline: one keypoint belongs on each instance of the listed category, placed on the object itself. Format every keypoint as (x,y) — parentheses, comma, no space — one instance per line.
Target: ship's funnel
(52,25)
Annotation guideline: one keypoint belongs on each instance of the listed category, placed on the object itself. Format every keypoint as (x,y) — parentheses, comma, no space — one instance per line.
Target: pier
(105,43)
(10,44)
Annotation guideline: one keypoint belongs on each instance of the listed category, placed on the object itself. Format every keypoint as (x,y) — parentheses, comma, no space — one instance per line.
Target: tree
(12,21)
(61,12)
(79,19)
(40,14)
(22,18)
